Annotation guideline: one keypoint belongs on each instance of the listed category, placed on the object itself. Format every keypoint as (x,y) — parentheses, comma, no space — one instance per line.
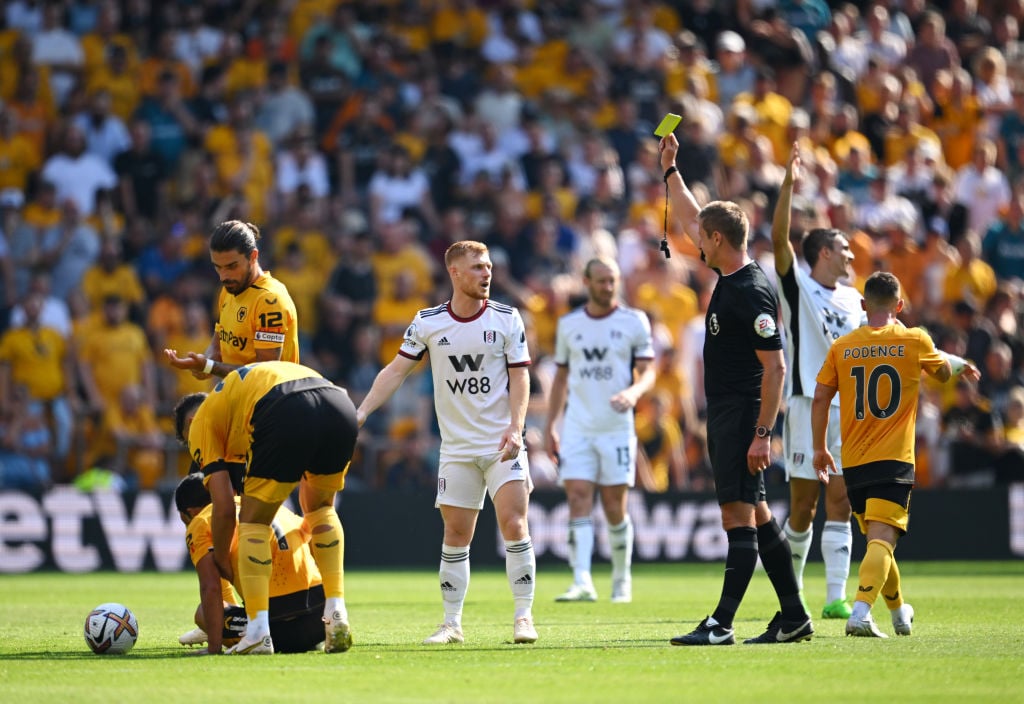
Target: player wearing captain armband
(876,370)
(257,319)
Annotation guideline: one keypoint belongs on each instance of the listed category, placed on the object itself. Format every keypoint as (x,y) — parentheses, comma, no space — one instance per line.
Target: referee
(744,370)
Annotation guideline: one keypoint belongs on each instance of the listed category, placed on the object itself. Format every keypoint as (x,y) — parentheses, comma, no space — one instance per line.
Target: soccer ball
(111,629)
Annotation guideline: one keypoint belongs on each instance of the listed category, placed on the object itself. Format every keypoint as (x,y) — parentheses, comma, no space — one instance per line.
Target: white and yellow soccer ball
(111,629)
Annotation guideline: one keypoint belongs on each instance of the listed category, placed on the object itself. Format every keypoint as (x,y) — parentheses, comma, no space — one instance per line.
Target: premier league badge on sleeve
(490,336)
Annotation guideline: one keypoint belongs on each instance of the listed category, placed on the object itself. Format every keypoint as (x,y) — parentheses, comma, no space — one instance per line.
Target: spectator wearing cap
(734,74)
(1003,244)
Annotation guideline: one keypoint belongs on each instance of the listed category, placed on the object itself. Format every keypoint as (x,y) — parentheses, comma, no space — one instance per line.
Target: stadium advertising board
(70,531)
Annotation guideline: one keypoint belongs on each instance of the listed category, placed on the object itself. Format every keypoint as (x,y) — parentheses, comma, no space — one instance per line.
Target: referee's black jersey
(741,318)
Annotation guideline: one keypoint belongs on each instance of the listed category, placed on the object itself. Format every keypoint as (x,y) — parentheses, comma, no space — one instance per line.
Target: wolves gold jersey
(260,317)
(221,430)
(293,566)
(878,372)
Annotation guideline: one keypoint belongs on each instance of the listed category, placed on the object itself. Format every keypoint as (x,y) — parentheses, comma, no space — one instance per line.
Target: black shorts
(731,421)
(895,513)
(313,430)
(298,632)
(296,620)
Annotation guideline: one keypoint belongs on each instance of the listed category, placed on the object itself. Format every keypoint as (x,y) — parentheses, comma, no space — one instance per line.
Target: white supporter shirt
(814,316)
(600,353)
(469,361)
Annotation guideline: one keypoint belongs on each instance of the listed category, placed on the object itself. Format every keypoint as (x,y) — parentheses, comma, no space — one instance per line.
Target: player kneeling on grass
(876,370)
(296,429)
(296,590)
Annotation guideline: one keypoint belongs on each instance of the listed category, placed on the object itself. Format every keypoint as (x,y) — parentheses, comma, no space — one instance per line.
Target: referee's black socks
(777,558)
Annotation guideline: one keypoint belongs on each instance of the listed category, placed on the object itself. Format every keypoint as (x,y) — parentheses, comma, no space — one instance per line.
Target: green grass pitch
(967,646)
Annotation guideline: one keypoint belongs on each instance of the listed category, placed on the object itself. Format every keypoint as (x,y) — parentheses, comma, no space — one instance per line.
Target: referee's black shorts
(310,430)
(731,421)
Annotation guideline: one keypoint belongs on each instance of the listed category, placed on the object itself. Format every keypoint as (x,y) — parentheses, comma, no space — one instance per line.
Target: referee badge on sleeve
(764,325)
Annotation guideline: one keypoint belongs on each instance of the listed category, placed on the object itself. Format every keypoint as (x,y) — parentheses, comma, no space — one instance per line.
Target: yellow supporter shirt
(124,90)
(95,48)
(878,374)
(18,158)
(773,112)
(116,357)
(293,567)
(387,266)
(36,358)
(674,307)
(97,284)
(392,312)
(305,287)
(260,317)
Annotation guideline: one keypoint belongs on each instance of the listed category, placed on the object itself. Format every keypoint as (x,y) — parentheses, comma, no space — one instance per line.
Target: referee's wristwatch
(762,431)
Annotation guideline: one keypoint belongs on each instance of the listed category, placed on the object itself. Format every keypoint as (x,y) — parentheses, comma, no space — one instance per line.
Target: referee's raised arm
(684,207)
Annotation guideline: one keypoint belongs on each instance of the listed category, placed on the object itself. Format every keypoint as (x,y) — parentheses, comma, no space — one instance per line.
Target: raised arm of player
(781,246)
(684,207)
(385,385)
(518,399)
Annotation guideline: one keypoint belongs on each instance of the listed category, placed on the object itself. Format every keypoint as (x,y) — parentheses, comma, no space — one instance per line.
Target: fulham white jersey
(814,316)
(469,361)
(600,353)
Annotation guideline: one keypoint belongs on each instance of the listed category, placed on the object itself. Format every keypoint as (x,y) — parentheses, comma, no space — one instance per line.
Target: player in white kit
(478,359)
(597,349)
(817,308)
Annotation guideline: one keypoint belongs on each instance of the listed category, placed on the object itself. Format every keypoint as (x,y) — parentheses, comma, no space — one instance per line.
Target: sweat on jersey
(469,361)
(600,352)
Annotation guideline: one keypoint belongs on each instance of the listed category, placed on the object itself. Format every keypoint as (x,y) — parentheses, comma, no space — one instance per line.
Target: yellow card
(668,125)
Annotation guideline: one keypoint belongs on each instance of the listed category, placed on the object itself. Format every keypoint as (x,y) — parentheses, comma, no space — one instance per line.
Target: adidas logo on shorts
(516,467)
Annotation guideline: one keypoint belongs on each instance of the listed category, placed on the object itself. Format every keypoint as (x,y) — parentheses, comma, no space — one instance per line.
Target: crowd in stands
(364,136)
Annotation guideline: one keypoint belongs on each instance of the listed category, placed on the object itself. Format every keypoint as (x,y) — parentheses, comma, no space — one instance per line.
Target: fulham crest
(764,325)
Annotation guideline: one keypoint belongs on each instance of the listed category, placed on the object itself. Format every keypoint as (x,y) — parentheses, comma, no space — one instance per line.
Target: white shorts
(465,482)
(605,460)
(797,445)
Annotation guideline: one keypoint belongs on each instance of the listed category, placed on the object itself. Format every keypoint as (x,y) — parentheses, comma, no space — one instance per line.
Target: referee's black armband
(669,171)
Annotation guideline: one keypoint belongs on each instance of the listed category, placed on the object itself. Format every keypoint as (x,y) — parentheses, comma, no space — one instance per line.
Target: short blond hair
(461,249)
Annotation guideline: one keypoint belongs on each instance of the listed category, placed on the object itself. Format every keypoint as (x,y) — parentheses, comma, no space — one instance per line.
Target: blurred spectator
(118,75)
(25,443)
(58,49)
(171,123)
(37,362)
(884,45)
(972,279)
(77,174)
(972,432)
(54,312)
(68,249)
(410,466)
(283,110)
(111,275)
(113,356)
(982,188)
(161,62)
(105,133)
(342,39)
(392,313)
(1003,244)
(141,175)
(661,442)
(163,261)
(933,51)
(354,279)
(208,107)
(304,279)
(196,42)
(399,189)
(18,159)
(243,157)
(136,443)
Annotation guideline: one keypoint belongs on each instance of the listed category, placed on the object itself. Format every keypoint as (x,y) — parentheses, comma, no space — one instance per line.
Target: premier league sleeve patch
(764,325)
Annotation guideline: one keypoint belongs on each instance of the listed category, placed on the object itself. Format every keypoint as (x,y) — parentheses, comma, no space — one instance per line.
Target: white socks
(620,538)
(332,604)
(581,549)
(454,579)
(836,543)
(521,569)
(800,544)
